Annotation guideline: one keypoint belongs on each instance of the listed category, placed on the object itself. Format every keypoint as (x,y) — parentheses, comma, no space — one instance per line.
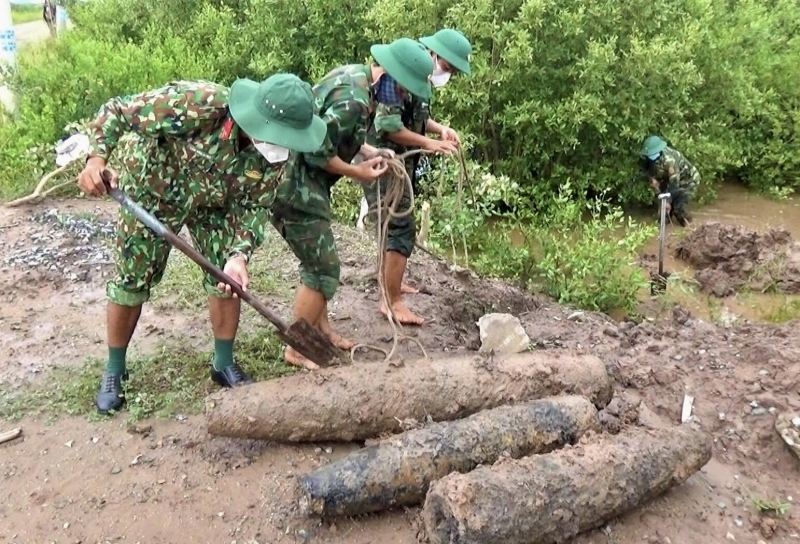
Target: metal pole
(8,54)
(663,200)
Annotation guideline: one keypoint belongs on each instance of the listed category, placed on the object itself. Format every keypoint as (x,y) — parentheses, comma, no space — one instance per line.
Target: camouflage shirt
(344,99)
(672,170)
(188,154)
(413,113)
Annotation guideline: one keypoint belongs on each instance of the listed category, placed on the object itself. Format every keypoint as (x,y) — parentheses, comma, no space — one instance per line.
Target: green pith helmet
(653,145)
(278,110)
(408,63)
(452,46)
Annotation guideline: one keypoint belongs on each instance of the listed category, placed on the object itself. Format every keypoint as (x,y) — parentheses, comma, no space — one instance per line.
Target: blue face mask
(654,156)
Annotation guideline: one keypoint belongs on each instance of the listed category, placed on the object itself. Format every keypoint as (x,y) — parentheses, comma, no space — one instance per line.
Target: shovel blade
(658,283)
(310,342)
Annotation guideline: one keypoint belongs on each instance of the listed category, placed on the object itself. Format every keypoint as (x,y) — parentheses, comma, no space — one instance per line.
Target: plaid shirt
(388,92)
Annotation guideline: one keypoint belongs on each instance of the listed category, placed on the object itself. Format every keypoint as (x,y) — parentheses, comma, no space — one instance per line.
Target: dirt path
(76,479)
(32,32)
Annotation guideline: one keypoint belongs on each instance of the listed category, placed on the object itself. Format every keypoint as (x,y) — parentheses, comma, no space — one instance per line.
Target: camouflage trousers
(402,231)
(680,206)
(141,256)
(301,214)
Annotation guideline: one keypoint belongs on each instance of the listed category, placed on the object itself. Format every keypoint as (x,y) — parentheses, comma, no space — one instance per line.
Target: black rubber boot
(231,376)
(110,396)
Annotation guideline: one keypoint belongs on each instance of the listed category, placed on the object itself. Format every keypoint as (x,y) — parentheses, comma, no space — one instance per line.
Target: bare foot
(340,341)
(408,290)
(294,358)
(402,314)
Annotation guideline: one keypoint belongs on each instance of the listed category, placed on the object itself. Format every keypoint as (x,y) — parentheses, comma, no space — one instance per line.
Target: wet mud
(362,401)
(728,259)
(398,471)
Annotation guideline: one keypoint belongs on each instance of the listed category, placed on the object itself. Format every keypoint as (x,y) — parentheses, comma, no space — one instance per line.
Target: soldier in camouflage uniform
(208,157)
(401,124)
(669,171)
(346,99)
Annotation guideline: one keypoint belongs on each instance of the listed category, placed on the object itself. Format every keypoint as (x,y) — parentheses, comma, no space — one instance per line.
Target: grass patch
(173,381)
(25,14)
(777,506)
(182,285)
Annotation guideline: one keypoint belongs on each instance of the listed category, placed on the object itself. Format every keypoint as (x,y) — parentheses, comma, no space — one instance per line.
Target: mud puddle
(735,206)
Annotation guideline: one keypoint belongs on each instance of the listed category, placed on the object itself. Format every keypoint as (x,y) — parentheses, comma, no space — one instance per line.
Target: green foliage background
(562,90)
(562,94)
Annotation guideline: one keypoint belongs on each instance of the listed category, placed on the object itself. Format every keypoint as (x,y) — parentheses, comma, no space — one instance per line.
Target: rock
(788,426)
(502,333)
(115,469)
(614,406)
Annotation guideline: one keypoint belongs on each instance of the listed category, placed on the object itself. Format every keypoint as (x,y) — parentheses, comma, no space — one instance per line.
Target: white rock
(502,333)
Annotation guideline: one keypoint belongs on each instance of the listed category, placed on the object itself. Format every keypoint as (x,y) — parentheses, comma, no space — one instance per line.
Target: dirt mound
(729,258)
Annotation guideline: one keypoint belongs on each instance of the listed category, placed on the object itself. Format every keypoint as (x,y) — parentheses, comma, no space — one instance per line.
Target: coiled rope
(387,207)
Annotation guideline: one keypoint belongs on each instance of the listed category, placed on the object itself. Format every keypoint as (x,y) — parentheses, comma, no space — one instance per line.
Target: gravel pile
(72,245)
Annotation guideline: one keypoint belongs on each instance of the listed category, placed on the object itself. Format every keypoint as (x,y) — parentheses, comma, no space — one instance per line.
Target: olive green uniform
(302,207)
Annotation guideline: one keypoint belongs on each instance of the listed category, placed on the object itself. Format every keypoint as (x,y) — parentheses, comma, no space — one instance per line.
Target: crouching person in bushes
(669,171)
(209,157)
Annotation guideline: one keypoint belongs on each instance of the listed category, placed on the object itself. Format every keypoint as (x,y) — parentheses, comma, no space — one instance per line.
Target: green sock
(223,354)
(116,360)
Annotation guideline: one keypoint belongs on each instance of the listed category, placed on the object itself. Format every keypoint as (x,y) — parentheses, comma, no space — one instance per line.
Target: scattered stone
(502,333)
(730,536)
(71,247)
(116,469)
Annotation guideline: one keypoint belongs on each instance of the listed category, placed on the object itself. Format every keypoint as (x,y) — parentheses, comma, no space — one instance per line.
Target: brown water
(734,205)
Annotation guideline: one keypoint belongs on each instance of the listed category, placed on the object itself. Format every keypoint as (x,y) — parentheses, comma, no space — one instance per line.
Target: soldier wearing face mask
(402,122)
(208,157)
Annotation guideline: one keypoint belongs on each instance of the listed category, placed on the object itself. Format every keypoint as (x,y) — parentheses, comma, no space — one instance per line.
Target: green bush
(581,252)
(560,88)
(562,94)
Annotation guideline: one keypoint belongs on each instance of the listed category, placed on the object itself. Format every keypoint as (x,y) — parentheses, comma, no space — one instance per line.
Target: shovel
(658,282)
(301,335)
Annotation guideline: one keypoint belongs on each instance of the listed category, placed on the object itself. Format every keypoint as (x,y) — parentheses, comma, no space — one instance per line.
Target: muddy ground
(730,258)
(74,479)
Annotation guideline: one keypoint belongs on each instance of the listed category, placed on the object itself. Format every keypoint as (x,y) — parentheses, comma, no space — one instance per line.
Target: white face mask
(439,77)
(273,153)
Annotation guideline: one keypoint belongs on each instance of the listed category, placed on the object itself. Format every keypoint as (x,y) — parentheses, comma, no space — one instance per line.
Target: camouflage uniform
(302,208)
(413,113)
(677,176)
(187,169)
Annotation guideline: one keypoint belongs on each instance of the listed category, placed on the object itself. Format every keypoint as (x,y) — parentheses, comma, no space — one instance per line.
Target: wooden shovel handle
(161,230)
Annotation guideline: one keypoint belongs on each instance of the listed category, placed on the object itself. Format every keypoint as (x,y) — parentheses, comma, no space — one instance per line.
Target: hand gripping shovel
(658,282)
(301,335)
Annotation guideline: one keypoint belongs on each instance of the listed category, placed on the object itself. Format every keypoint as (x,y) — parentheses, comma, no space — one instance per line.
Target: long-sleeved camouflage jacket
(344,99)
(188,154)
(673,171)
(413,113)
